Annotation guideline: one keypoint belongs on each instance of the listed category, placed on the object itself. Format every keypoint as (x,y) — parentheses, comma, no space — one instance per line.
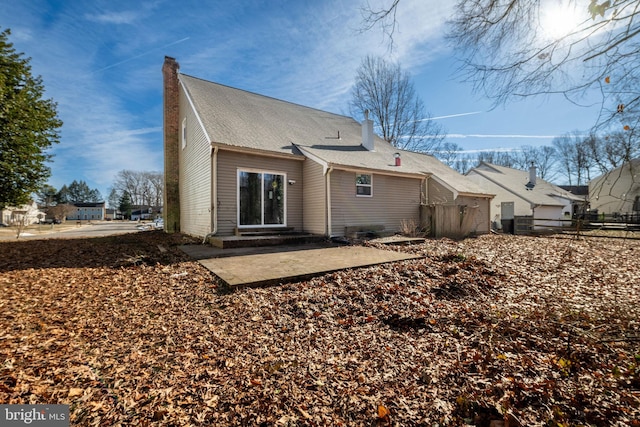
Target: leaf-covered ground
(493,331)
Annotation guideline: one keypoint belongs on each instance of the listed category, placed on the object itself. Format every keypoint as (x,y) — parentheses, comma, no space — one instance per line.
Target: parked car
(50,221)
(2,224)
(159,223)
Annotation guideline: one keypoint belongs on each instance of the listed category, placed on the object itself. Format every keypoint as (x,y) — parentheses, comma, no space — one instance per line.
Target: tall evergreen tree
(78,192)
(28,127)
(125,205)
(46,196)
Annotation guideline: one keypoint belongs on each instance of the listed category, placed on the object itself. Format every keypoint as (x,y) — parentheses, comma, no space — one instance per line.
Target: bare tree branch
(506,52)
(385,18)
(386,91)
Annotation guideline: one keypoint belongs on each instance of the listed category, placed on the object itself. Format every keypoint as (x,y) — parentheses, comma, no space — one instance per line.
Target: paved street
(72,231)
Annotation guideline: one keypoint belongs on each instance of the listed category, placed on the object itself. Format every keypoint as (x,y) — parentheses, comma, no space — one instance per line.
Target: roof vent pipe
(532,174)
(367,132)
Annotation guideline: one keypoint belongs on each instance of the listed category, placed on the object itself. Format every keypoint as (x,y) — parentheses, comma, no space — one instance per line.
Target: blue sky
(101,62)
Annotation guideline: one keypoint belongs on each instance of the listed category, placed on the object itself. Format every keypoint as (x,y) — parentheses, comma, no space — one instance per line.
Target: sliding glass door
(261,199)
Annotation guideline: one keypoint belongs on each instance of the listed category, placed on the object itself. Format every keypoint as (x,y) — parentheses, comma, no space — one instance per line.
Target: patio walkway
(285,266)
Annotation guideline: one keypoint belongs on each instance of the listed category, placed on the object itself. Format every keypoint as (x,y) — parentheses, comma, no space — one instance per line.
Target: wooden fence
(530,225)
(454,222)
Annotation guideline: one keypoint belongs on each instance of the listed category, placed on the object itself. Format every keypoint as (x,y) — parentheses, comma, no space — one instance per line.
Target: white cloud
(106,124)
(127,17)
(310,54)
(104,71)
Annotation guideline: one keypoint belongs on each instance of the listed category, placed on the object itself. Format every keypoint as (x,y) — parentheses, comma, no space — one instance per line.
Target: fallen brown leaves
(493,331)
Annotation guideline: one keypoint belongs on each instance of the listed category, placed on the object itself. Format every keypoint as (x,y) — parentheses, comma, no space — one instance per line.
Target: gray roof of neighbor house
(515,181)
(90,205)
(242,119)
(445,174)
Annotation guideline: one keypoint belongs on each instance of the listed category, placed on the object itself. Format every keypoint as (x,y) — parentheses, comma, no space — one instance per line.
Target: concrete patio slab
(270,268)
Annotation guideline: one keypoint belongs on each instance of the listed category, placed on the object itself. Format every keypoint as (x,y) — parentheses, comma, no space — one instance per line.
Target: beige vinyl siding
(394,199)
(229,162)
(315,198)
(616,191)
(438,194)
(195,169)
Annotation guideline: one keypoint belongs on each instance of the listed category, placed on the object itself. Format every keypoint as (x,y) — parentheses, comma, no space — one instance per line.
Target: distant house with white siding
(236,160)
(522,193)
(87,212)
(26,214)
(145,212)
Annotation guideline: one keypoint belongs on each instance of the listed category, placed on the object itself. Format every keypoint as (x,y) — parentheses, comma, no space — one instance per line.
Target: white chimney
(532,174)
(367,132)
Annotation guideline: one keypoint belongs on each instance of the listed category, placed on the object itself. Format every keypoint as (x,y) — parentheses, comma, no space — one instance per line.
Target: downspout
(214,194)
(424,196)
(327,174)
(424,201)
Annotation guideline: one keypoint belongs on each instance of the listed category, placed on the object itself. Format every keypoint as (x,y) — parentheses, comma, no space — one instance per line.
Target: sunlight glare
(559,19)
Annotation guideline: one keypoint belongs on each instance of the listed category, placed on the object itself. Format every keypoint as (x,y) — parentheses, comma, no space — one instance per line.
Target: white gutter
(327,174)
(214,193)
(262,152)
(214,190)
(424,192)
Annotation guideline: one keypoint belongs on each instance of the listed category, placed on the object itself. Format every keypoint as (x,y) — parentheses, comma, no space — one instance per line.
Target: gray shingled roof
(243,119)
(515,181)
(446,174)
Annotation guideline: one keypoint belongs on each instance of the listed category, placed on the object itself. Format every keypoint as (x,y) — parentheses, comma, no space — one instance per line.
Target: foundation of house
(264,238)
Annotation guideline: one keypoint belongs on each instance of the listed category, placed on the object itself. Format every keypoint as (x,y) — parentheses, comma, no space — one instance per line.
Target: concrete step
(261,230)
(244,241)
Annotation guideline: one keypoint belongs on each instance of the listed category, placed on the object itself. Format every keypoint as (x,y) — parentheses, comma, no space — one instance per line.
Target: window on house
(364,187)
(184,133)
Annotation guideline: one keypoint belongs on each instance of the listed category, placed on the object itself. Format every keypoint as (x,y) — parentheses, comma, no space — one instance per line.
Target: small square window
(184,133)
(364,186)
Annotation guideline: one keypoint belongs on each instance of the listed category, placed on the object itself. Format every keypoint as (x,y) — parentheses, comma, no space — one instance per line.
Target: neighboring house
(582,191)
(522,193)
(26,214)
(145,212)
(236,160)
(110,214)
(577,190)
(87,212)
(618,191)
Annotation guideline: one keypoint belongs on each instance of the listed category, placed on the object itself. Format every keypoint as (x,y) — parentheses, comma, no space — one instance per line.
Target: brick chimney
(171,109)
(367,132)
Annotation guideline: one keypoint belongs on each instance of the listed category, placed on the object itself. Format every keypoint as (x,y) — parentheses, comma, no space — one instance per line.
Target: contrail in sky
(453,115)
(459,135)
(140,55)
(442,117)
